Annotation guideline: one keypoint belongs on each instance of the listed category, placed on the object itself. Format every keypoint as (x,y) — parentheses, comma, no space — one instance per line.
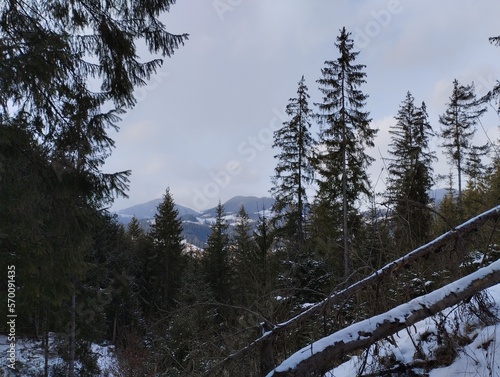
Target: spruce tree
(293,172)
(459,126)
(265,263)
(410,173)
(54,126)
(246,262)
(264,236)
(167,259)
(134,230)
(342,161)
(216,259)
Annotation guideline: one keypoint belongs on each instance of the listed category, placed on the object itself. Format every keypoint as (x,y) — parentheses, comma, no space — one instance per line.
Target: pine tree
(167,259)
(342,161)
(459,125)
(293,171)
(410,173)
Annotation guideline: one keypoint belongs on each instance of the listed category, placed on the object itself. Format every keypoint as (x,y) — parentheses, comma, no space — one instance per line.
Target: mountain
(196,225)
(253,205)
(148,210)
(437,195)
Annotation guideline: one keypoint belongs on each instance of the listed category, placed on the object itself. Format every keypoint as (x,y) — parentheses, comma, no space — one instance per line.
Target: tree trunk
(45,341)
(113,341)
(266,352)
(345,213)
(72,337)
(324,354)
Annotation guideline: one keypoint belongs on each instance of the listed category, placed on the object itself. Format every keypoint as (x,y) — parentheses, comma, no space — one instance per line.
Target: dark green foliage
(244,261)
(293,172)
(264,236)
(166,262)
(112,284)
(342,161)
(459,125)
(45,229)
(410,174)
(216,259)
(67,71)
(141,249)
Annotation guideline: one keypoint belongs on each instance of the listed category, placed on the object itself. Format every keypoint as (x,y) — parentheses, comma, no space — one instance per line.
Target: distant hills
(196,225)
(148,210)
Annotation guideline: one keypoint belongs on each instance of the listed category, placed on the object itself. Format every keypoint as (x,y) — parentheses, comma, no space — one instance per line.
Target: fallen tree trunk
(338,297)
(324,354)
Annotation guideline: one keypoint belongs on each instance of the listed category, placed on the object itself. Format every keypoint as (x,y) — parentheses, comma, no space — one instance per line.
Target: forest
(257,293)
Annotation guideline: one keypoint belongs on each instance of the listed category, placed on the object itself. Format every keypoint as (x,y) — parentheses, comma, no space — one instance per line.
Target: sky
(203,125)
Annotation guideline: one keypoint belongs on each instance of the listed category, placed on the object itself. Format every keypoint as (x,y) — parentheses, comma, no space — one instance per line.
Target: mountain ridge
(148,209)
(196,224)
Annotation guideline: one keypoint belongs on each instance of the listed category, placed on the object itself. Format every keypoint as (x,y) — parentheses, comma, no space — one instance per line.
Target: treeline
(245,283)
(174,310)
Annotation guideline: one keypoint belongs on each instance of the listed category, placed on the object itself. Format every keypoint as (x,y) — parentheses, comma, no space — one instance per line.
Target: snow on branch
(324,354)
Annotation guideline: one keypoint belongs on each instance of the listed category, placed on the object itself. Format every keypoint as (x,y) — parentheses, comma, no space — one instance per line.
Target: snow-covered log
(324,354)
(338,297)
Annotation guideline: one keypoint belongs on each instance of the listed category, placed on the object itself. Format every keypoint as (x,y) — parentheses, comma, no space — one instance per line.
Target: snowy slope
(467,347)
(448,334)
(30,360)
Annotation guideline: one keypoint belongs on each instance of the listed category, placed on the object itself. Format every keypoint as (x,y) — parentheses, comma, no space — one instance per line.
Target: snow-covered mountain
(147,211)
(196,225)
(253,206)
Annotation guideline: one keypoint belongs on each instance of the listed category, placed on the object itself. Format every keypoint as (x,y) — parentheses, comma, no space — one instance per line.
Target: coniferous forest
(81,278)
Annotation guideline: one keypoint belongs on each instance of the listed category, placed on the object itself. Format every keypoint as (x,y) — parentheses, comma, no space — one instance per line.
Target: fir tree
(167,259)
(459,125)
(246,260)
(293,171)
(410,172)
(265,263)
(134,230)
(55,127)
(342,161)
(216,259)
(264,236)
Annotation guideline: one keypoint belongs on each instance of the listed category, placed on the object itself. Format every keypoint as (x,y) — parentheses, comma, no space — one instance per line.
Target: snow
(479,358)
(398,314)
(30,359)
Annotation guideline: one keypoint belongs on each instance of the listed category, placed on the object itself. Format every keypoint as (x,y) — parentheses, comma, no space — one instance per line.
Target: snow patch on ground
(30,359)
(479,355)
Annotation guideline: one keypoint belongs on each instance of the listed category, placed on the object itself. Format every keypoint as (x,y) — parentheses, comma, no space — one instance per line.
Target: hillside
(460,341)
(196,225)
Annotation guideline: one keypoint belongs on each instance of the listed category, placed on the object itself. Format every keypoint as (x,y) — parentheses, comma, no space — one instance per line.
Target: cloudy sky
(203,125)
